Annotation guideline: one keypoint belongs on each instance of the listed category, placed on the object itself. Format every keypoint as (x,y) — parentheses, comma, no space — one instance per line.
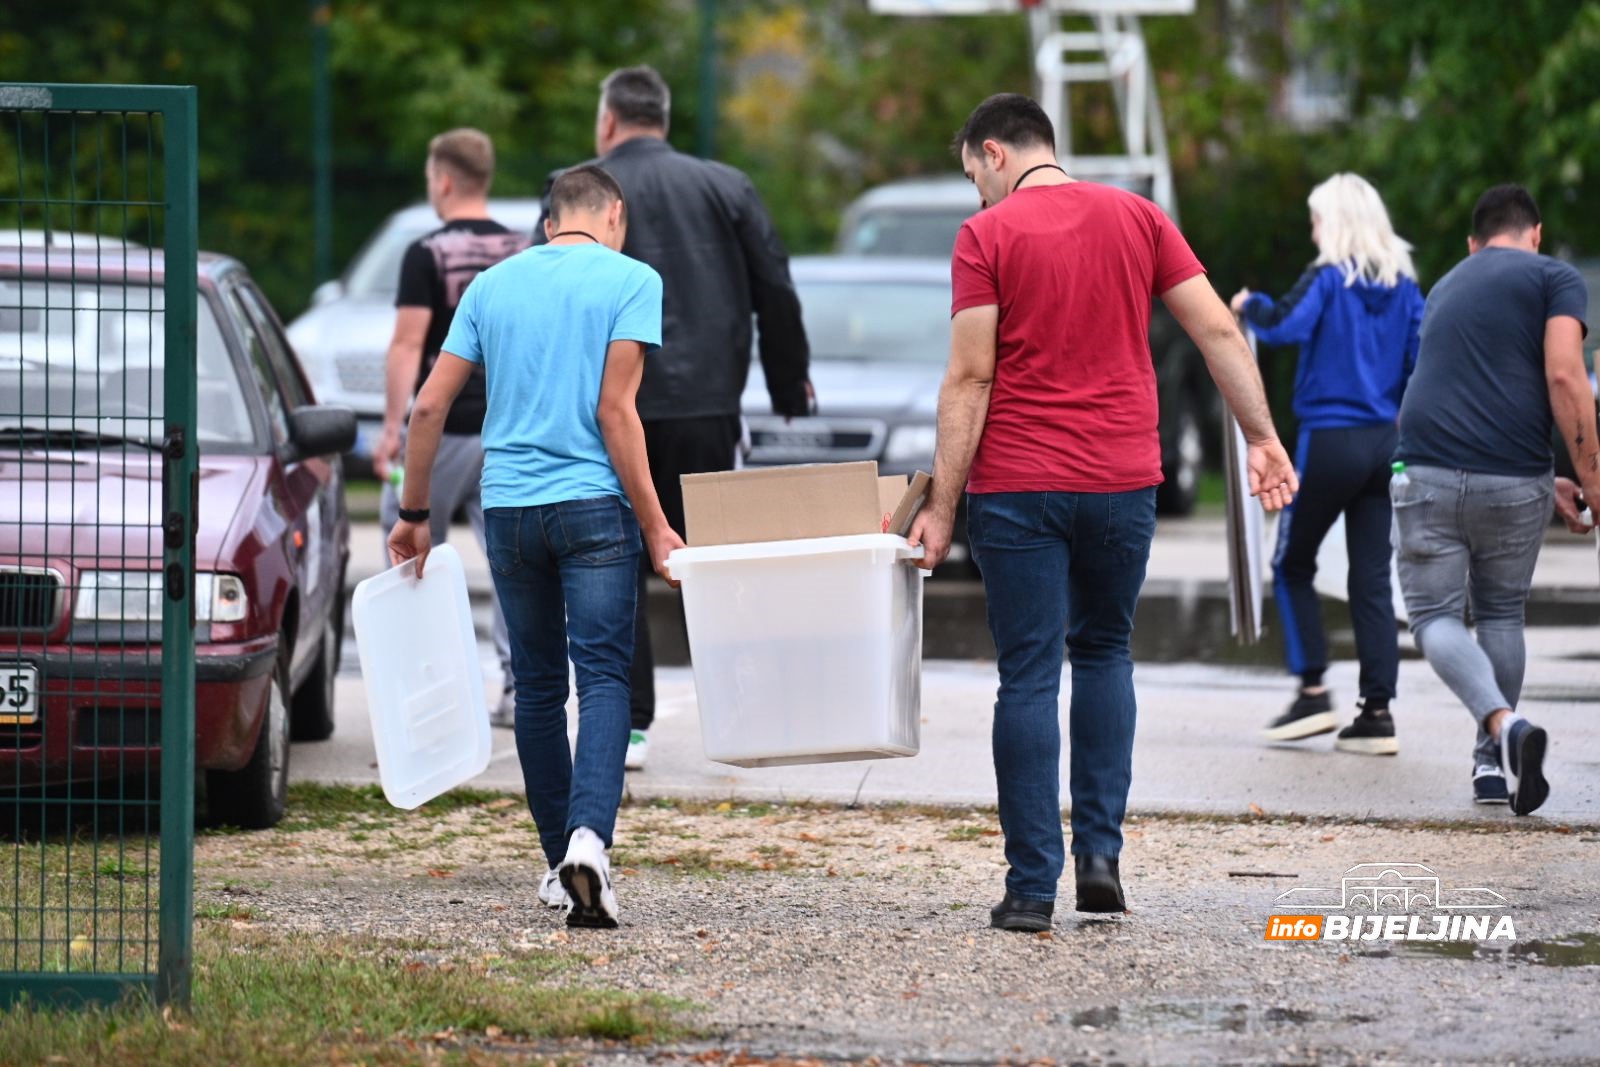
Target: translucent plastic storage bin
(419,660)
(805,651)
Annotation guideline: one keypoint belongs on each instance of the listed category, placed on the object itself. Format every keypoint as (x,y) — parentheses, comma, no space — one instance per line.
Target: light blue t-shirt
(539,323)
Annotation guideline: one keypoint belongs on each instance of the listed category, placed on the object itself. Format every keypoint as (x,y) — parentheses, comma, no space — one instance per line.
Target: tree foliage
(822,99)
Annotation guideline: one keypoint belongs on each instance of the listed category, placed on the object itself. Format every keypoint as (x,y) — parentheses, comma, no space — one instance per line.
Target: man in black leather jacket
(703,228)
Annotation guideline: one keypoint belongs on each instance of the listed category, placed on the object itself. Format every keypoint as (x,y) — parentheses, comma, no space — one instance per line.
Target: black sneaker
(1522,746)
(1489,785)
(1023,916)
(1099,884)
(1307,717)
(1372,734)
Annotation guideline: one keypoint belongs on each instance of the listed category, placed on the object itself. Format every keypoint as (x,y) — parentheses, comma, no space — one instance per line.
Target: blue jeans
(1061,570)
(567,577)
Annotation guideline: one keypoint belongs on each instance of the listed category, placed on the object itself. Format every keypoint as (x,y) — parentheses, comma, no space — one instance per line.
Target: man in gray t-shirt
(1501,356)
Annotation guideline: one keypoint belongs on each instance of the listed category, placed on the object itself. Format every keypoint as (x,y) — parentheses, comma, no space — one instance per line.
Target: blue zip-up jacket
(1358,345)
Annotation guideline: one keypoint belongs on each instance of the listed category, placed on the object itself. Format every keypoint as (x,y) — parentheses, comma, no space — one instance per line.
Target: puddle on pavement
(1564,950)
(1191,1017)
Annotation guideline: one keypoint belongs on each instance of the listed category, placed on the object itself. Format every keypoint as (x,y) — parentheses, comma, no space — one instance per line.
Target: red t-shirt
(1072,269)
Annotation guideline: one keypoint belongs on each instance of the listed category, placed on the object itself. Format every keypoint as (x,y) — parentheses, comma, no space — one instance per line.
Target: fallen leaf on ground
(440,872)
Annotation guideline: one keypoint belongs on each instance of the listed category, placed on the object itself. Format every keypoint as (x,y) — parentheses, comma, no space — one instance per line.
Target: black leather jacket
(703,228)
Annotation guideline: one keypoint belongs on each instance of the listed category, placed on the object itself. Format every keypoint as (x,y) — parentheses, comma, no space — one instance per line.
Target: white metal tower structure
(1112,51)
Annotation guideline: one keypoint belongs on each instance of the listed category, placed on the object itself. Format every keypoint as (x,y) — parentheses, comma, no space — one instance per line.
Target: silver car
(344,337)
(879,330)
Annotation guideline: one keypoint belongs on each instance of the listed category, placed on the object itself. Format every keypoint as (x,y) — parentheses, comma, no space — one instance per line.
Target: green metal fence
(97,503)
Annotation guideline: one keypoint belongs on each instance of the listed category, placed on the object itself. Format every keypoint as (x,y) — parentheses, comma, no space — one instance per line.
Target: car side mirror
(329,290)
(321,430)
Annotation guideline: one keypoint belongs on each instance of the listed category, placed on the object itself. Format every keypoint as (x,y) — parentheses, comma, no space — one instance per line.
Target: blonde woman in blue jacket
(1355,313)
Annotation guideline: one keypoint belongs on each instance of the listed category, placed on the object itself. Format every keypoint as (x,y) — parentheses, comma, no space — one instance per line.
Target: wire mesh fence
(97,464)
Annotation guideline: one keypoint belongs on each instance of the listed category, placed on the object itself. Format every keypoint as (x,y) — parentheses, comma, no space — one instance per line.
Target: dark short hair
(585,188)
(1504,209)
(1010,118)
(638,96)
(468,154)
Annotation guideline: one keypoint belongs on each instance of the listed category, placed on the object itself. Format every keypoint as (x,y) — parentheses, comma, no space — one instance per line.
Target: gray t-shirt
(1478,400)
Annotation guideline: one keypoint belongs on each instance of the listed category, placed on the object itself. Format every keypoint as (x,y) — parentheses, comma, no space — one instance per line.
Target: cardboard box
(793,503)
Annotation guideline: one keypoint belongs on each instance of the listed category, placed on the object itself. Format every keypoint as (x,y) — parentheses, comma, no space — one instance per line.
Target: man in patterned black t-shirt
(434,273)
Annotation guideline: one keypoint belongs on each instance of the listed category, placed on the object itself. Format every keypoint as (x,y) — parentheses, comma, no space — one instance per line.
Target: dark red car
(81,387)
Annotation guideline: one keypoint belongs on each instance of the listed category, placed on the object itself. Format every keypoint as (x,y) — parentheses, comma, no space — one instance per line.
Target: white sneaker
(586,876)
(638,750)
(551,892)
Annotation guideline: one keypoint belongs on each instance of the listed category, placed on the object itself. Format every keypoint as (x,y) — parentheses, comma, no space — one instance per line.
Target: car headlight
(135,596)
(908,444)
(219,598)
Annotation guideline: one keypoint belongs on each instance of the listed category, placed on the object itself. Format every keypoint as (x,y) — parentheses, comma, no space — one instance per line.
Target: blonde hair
(468,154)
(1354,233)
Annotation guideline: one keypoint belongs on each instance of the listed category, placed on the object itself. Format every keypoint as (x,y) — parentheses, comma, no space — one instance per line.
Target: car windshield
(375,274)
(864,320)
(907,232)
(86,360)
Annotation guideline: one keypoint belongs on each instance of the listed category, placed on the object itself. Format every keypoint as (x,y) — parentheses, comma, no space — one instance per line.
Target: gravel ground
(804,933)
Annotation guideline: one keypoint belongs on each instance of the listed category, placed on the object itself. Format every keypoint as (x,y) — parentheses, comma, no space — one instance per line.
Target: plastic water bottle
(1400,478)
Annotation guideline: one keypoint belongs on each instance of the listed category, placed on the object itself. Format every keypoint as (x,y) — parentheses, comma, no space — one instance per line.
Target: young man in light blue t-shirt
(561,331)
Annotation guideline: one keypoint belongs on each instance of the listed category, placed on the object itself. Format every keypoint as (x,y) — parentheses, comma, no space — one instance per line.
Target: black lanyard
(580,233)
(1030,170)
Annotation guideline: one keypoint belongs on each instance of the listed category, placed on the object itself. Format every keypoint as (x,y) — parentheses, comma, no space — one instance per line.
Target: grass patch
(261,1001)
(84,905)
(314,806)
(968,832)
(362,498)
(115,868)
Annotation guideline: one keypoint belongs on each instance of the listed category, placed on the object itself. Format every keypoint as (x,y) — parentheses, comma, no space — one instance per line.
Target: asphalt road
(1202,703)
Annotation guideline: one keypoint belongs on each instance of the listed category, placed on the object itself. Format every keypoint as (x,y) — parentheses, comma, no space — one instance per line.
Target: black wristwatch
(417,515)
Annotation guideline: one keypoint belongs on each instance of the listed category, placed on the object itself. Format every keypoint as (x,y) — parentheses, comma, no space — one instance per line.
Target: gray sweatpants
(1471,539)
(457,473)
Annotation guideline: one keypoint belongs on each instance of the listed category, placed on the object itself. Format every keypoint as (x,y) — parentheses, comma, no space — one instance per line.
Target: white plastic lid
(419,660)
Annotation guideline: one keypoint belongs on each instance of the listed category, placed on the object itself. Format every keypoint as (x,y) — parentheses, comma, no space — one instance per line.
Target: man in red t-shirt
(1047,418)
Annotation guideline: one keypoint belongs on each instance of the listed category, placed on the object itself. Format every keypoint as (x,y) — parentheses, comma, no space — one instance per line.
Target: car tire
(1182,463)
(311,717)
(254,796)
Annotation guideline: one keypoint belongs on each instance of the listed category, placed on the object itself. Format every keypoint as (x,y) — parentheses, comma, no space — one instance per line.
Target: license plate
(19,694)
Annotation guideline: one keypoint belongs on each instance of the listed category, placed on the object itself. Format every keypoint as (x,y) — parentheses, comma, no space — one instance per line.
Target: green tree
(1450,98)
